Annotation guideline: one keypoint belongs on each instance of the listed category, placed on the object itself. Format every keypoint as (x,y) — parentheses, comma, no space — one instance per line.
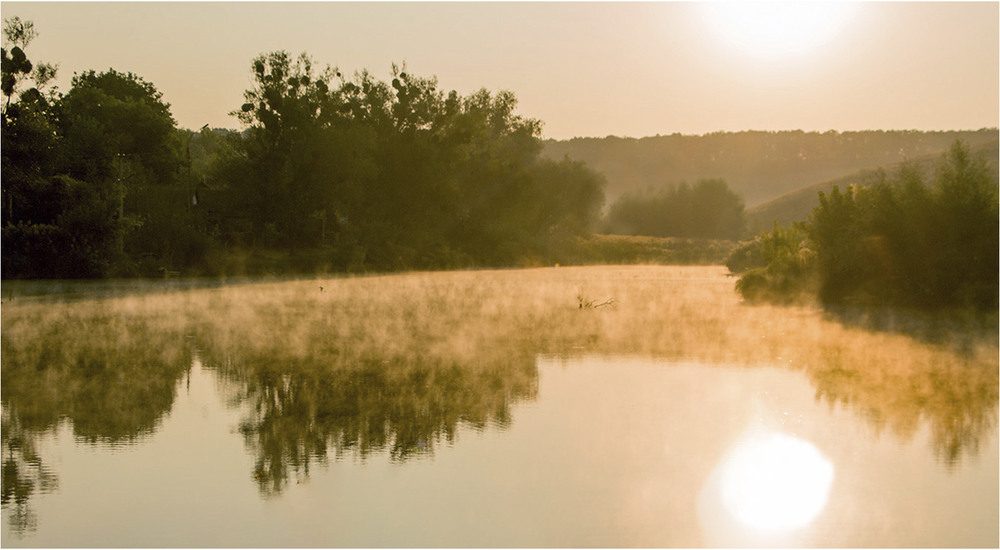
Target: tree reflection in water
(957,402)
(398,364)
(111,379)
(300,411)
(953,388)
(23,473)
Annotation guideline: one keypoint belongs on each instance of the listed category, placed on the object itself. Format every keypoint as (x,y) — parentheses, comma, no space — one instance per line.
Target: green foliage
(69,161)
(397,175)
(117,125)
(203,148)
(902,242)
(78,235)
(171,237)
(707,210)
(798,204)
(29,137)
(28,150)
(776,265)
(898,241)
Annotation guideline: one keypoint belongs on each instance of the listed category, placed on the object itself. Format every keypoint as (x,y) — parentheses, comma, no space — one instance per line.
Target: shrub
(777,265)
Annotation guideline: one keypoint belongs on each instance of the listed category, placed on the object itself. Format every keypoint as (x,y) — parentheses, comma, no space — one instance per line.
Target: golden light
(772,31)
(775,482)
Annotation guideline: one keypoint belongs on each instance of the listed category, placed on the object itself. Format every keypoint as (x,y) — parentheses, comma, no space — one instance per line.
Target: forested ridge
(795,206)
(758,165)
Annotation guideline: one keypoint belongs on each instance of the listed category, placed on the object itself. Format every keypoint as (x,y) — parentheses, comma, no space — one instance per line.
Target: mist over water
(380,308)
(488,409)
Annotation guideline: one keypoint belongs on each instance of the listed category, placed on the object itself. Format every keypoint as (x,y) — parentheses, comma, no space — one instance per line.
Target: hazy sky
(584,69)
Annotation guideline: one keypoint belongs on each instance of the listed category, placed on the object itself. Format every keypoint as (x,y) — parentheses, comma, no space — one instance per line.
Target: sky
(585,69)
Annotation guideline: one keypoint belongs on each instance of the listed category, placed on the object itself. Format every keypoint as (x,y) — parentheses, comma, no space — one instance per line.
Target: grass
(413,354)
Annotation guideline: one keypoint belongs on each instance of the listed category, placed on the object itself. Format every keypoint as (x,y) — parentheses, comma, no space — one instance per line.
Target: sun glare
(777,30)
(776,482)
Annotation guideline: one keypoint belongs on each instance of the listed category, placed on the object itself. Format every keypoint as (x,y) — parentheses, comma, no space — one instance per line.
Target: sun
(772,31)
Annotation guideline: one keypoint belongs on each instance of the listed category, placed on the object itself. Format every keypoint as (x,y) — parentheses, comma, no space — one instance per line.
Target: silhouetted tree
(398,174)
(29,136)
(66,162)
(116,125)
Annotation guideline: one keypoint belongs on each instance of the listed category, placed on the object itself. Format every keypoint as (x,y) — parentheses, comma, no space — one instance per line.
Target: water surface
(587,450)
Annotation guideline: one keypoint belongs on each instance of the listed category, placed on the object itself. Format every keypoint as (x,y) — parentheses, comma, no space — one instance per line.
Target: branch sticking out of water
(592,304)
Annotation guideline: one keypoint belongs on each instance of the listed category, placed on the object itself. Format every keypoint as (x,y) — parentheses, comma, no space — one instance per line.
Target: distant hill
(798,204)
(759,165)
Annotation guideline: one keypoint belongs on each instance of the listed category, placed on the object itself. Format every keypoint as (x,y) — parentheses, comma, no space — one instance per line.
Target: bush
(778,265)
(902,242)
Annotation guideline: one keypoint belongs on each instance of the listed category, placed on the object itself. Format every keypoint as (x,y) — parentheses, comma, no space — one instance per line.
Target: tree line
(760,165)
(351,172)
(900,240)
(709,209)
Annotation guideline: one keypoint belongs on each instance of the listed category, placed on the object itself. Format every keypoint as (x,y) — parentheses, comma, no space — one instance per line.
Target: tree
(117,125)
(283,167)
(32,202)
(396,174)
(900,241)
(967,202)
(28,137)
(16,68)
(707,210)
(776,265)
(66,161)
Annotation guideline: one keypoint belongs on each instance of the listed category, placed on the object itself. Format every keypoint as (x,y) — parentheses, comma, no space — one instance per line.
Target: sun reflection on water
(766,488)
(776,482)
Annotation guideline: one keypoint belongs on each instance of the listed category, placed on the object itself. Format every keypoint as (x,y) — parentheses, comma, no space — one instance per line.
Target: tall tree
(66,160)
(396,174)
(117,125)
(29,136)
(285,165)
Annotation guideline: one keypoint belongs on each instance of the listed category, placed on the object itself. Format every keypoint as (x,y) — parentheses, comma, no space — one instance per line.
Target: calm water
(582,451)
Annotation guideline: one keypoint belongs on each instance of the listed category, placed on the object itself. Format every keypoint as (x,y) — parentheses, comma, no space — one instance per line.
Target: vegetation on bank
(898,241)
(353,174)
(329,174)
(592,249)
(628,249)
(371,175)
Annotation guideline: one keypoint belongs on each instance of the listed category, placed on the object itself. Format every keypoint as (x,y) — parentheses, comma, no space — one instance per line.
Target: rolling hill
(759,165)
(798,204)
